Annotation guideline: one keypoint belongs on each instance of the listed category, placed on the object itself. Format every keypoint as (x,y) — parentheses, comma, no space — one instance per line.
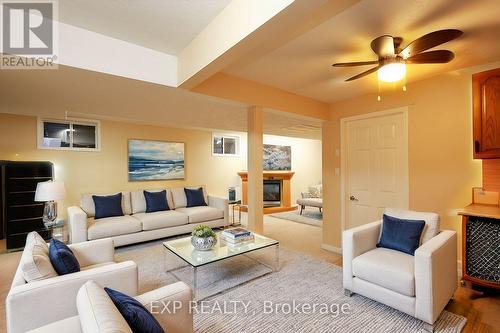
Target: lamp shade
(50,191)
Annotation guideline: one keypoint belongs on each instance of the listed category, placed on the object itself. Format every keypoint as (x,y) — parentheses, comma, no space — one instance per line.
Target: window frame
(70,122)
(236,137)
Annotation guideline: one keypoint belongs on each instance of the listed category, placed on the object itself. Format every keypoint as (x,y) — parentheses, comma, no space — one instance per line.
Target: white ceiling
(163,25)
(96,95)
(303,66)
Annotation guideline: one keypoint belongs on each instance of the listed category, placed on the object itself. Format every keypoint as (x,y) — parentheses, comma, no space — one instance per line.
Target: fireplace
(277,196)
(272,193)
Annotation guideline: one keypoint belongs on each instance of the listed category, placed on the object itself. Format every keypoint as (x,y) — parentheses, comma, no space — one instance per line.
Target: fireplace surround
(271,181)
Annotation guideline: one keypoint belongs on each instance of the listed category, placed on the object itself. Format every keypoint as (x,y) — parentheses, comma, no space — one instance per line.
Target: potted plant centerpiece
(203,238)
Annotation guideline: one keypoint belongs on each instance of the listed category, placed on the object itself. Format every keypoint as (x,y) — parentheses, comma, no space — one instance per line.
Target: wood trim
(491,175)
(285,175)
(286,196)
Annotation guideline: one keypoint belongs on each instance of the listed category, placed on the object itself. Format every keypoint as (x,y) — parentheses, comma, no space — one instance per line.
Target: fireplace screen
(272,190)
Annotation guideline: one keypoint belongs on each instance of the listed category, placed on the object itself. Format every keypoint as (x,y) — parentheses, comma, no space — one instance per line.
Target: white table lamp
(49,192)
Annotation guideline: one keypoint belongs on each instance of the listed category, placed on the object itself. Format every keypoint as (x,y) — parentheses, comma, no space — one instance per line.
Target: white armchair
(96,309)
(419,285)
(34,304)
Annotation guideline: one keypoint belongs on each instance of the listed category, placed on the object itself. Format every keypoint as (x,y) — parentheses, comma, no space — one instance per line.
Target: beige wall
(106,171)
(441,168)
(306,161)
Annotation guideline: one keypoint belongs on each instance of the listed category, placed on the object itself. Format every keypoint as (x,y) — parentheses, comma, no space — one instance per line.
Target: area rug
(282,301)
(311,217)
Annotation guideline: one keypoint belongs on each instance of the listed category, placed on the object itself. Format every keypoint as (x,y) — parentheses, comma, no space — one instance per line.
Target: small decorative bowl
(203,243)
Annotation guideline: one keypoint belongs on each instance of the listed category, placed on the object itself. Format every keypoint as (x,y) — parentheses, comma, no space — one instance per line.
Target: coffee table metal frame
(260,243)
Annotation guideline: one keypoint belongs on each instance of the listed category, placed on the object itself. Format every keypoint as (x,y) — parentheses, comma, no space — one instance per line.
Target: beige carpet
(302,279)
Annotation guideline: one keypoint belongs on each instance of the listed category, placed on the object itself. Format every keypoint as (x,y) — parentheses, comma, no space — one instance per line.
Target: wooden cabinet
(486,110)
(480,245)
(21,214)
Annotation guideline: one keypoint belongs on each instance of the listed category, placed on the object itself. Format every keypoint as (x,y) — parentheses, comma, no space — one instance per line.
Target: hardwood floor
(483,314)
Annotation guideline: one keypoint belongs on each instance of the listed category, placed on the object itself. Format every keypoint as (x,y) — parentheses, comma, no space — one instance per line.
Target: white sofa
(419,285)
(138,226)
(97,313)
(34,304)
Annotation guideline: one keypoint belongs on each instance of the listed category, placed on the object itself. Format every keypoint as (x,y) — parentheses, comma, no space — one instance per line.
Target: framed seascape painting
(277,157)
(155,160)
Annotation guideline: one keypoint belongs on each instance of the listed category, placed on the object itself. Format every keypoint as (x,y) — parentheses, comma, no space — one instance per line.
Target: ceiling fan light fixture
(392,72)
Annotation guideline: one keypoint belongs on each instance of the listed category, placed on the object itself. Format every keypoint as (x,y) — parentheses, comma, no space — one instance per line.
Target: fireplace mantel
(285,175)
(286,197)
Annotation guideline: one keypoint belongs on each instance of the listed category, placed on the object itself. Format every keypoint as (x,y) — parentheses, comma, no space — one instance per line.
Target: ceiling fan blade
(429,41)
(397,43)
(374,69)
(358,63)
(383,46)
(431,57)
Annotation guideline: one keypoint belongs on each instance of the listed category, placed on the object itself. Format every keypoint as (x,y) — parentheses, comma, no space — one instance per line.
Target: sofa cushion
(97,312)
(431,227)
(316,191)
(87,203)
(387,268)
(71,324)
(400,234)
(156,201)
(159,220)
(107,205)
(195,197)
(179,196)
(202,213)
(137,316)
(313,202)
(112,226)
(62,258)
(35,262)
(139,202)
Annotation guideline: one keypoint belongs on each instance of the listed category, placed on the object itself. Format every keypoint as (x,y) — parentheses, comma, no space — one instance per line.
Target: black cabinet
(19,212)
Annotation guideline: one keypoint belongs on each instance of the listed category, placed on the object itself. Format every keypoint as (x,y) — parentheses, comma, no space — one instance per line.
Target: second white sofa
(138,226)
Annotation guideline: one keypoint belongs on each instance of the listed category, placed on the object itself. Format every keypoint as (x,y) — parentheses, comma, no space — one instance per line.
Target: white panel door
(376,167)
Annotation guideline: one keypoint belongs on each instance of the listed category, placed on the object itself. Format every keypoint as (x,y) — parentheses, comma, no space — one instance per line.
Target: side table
(56,230)
(233,204)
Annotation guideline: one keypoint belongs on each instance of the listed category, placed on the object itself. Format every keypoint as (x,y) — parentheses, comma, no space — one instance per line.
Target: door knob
(353,198)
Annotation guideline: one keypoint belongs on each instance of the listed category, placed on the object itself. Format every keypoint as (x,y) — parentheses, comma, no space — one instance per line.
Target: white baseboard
(331,248)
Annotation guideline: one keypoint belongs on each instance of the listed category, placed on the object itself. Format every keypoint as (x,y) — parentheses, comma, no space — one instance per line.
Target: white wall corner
(331,248)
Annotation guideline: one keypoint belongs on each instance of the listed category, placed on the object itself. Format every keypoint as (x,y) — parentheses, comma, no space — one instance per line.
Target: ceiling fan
(392,59)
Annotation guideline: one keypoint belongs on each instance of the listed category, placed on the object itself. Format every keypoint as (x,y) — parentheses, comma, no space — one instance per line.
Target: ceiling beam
(92,51)
(253,93)
(238,20)
(242,33)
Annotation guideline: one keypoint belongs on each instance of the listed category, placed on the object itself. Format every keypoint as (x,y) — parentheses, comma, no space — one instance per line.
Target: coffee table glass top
(182,247)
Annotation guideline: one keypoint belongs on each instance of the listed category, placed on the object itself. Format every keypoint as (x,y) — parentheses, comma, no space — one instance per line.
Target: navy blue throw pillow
(135,314)
(195,197)
(107,205)
(156,201)
(401,235)
(62,258)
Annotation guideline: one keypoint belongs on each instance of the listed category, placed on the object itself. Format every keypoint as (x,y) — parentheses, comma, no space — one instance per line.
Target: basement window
(225,145)
(68,134)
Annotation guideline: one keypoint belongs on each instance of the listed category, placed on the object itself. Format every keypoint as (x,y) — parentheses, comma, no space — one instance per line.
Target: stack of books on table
(236,236)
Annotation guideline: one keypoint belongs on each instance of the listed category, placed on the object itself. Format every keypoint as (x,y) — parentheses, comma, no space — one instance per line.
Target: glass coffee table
(225,266)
